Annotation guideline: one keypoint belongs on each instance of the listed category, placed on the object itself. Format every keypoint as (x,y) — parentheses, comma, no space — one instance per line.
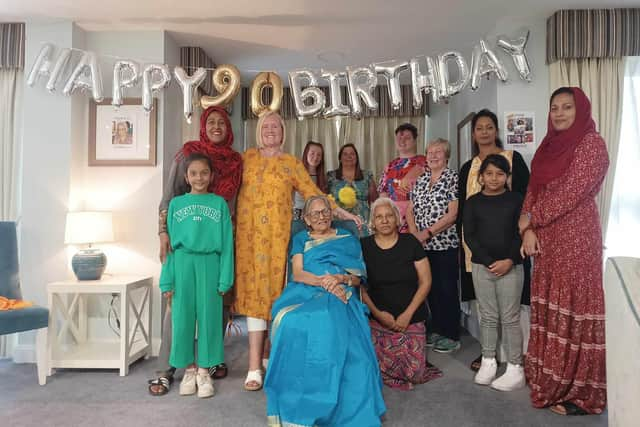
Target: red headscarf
(553,157)
(227,163)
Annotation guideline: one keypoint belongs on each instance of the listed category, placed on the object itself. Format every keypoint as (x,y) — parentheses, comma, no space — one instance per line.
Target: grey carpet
(102,398)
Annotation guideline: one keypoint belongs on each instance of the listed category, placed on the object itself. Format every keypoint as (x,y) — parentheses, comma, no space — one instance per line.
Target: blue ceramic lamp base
(89,264)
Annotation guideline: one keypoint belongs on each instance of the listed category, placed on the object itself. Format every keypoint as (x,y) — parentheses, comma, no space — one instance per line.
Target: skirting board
(26,353)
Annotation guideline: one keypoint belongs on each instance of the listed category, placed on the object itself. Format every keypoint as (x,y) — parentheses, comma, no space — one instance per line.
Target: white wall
(515,95)
(466,102)
(46,174)
(520,95)
(57,178)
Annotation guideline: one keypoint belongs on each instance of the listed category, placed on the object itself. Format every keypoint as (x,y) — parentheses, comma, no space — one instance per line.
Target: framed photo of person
(123,136)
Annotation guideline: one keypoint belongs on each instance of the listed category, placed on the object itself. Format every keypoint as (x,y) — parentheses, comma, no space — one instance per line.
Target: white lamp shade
(88,227)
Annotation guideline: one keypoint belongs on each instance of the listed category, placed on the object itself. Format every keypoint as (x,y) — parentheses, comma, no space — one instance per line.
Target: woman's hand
(403,321)
(169,297)
(329,280)
(501,267)
(342,214)
(165,246)
(386,320)
(530,245)
(330,284)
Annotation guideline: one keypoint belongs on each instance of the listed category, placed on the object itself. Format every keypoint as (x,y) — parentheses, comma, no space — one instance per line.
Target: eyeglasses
(316,214)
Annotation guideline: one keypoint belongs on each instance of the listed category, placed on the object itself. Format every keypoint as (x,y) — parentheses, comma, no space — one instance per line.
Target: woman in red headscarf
(216,140)
(560,225)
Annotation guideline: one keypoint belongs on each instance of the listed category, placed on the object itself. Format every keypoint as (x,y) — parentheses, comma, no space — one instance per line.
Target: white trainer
(188,384)
(487,371)
(205,384)
(512,379)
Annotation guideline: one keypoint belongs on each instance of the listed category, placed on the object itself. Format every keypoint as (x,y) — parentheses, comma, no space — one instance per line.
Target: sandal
(475,365)
(568,409)
(253,377)
(160,386)
(219,372)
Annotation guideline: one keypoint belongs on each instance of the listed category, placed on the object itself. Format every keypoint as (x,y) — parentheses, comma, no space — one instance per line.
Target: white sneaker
(205,385)
(487,371)
(512,379)
(188,384)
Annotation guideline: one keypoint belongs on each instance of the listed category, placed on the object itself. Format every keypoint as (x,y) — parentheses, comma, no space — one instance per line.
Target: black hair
(491,115)
(407,126)
(497,161)
(358,175)
(560,91)
(195,157)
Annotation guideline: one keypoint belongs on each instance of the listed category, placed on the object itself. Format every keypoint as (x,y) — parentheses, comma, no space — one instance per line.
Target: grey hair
(441,141)
(310,200)
(379,202)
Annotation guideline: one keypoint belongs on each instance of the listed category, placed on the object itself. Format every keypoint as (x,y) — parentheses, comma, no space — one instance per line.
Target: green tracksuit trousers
(196,301)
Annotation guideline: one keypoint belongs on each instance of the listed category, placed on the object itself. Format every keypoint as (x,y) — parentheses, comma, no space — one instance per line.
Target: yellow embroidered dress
(263,228)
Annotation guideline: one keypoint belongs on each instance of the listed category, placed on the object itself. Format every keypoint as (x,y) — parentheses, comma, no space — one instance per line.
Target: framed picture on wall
(124,136)
(465,141)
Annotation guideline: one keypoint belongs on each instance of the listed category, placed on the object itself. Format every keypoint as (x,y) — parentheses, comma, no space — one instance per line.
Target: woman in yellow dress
(263,229)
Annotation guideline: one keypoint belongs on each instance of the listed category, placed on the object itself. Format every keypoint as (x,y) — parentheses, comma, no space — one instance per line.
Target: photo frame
(123,136)
(465,140)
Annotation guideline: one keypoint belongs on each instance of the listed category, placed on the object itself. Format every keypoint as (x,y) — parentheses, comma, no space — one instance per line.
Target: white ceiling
(281,35)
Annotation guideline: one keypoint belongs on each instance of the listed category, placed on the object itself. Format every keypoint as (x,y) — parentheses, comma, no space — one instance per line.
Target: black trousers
(443,299)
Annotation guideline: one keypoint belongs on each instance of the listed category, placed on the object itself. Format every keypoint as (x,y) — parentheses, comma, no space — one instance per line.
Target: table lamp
(88,228)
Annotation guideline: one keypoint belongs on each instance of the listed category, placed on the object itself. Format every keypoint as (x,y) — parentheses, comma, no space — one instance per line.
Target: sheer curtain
(624,216)
(10,106)
(372,136)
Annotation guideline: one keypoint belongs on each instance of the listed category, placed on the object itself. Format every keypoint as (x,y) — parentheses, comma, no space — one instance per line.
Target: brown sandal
(475,365)
(568,409)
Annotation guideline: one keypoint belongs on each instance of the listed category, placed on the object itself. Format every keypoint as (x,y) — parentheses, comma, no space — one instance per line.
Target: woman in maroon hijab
(216,140)
(560,225)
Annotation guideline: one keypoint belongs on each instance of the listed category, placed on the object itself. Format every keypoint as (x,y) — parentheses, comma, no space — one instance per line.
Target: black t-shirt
(392,279)
(491,227)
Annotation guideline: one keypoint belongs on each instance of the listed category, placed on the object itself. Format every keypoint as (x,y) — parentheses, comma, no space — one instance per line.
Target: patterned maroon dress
(566,355)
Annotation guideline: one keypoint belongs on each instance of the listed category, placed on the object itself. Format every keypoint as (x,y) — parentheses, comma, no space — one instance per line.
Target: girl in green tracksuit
(195,275)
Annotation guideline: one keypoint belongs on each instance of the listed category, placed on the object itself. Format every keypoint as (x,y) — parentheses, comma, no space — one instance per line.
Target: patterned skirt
(402,356)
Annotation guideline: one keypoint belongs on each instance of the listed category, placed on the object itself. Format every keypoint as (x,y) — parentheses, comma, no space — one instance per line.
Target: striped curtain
(593,33)
(287,110)
(12,46)
(194,57)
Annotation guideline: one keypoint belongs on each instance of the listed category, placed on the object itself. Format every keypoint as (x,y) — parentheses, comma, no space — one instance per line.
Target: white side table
(135,324)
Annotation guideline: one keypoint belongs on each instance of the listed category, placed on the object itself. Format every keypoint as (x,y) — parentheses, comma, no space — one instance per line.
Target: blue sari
(323,369)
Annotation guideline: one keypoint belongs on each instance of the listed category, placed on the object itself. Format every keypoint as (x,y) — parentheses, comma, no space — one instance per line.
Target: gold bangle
(350,281)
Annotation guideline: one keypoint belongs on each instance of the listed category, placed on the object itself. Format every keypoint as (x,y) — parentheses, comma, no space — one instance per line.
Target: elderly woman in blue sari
(323,369)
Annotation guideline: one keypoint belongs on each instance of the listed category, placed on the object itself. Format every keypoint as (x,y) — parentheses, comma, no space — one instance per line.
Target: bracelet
(527,228)
(430,233)
(350,281)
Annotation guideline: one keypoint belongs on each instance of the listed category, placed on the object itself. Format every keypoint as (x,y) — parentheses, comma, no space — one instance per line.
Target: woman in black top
(398,281)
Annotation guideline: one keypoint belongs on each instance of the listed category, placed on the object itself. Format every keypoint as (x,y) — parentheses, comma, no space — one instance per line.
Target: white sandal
(253,376)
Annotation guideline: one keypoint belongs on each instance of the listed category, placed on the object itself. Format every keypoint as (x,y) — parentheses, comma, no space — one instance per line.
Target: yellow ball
(347,197)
